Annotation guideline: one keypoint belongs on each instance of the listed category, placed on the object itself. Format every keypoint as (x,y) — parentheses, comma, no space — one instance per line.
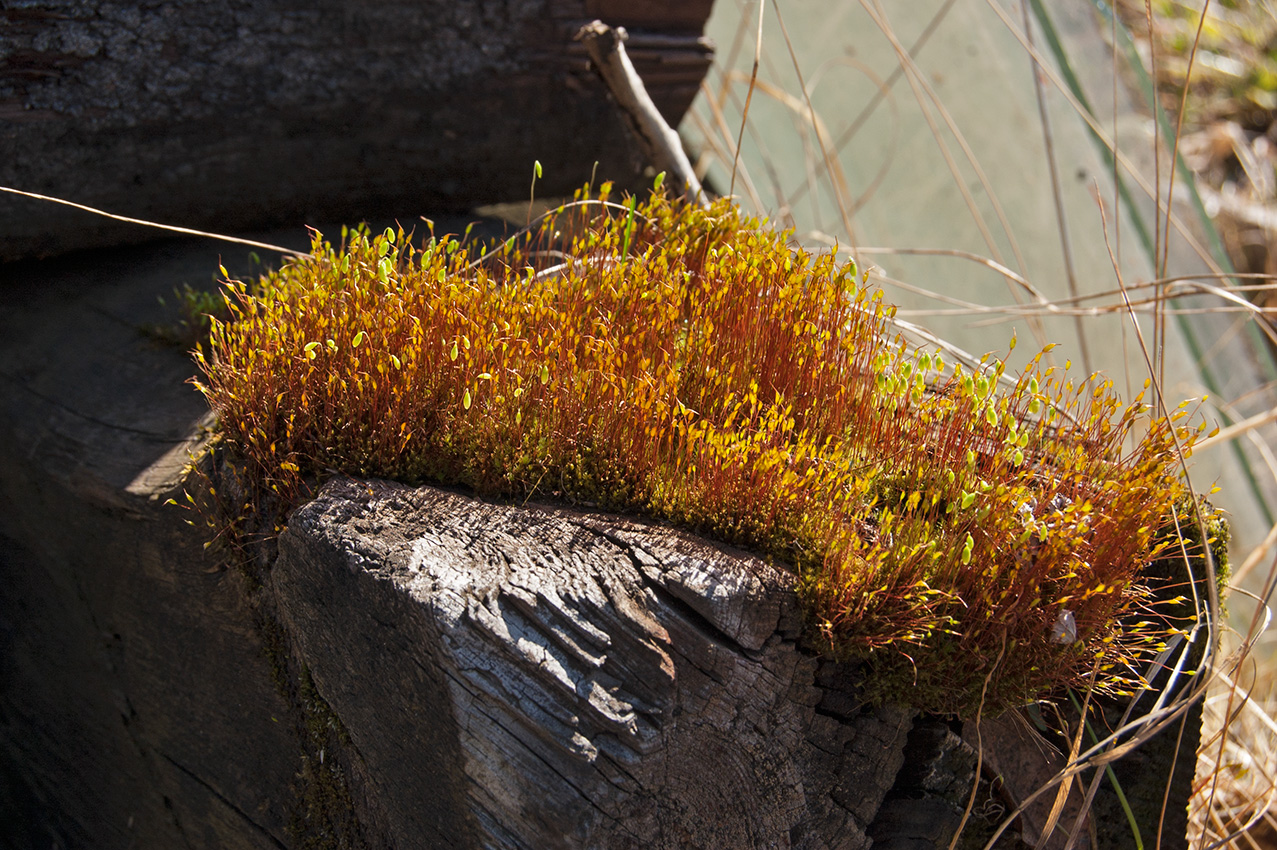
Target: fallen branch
(659,141)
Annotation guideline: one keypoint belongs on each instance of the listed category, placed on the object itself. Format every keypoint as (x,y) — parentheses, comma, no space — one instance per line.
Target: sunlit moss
(691,364)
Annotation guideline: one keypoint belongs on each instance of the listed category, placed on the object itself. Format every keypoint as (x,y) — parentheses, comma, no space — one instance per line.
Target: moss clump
(690,364)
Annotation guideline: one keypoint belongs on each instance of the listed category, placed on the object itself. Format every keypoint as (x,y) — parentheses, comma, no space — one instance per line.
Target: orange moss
(692,365)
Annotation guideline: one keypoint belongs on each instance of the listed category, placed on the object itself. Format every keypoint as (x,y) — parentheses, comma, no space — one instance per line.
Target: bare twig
(660,143)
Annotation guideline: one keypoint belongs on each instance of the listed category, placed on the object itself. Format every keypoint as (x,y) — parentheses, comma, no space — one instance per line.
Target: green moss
(323,813)
(195,310)
(691,365)
(1218,536)
(324,818)
(1181,572)
(321,722)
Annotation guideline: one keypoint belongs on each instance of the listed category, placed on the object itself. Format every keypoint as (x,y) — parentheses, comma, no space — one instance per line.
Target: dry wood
(660,143)
(631,685)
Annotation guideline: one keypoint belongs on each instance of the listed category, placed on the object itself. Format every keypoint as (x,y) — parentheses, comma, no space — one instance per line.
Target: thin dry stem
(171,228)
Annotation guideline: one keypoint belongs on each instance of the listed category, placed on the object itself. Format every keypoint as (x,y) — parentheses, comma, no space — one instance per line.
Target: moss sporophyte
(948,526)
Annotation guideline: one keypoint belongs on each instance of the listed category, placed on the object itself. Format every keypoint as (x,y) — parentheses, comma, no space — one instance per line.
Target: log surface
(578,680)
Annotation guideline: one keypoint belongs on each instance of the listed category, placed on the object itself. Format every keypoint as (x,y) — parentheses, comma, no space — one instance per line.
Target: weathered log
(229,116)
(566,679)
(409,666)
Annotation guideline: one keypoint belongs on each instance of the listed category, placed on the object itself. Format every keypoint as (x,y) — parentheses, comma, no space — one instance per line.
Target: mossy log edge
(142,707)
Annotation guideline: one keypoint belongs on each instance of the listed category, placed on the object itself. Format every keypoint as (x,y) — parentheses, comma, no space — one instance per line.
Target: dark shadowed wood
(1016,753)
(136,706)
(224,116)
